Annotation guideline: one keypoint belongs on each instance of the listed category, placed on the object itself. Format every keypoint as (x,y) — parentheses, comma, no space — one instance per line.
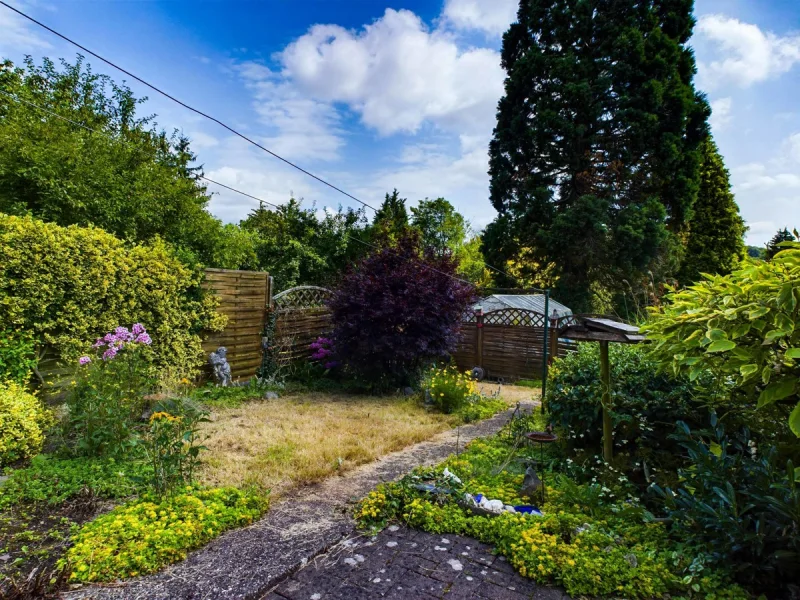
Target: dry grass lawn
(278,444)
(301,439)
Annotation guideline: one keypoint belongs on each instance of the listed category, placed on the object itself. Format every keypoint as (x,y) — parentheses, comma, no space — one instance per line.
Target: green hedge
(69,285)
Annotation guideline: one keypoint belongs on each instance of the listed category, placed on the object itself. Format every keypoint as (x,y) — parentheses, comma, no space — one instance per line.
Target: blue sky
(378,94)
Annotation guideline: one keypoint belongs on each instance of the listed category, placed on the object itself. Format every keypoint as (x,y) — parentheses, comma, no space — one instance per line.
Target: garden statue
(219,363)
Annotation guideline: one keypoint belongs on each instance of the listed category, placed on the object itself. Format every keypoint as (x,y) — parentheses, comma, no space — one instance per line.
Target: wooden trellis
(301,316)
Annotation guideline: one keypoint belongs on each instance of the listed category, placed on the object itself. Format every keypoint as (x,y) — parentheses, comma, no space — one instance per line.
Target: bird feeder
(603,330)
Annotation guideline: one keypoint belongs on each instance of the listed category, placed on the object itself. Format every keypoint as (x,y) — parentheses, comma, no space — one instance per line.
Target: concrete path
(403,563)
(246,563)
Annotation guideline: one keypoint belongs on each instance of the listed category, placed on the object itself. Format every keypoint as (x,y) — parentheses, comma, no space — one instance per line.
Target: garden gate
(244,297)
(508,343)
(301,316)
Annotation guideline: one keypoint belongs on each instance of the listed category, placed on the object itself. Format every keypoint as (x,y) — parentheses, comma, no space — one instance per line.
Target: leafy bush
(397,311)
(23,421)
(743,328)
(739,506)
(171,444)
(646,402)
(448,388)
(17,356)
(147,534)
(53,480)
(106,401)
(64,284)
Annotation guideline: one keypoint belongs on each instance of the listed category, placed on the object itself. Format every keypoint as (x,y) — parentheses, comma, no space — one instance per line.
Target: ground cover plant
(593,539)
(146,534)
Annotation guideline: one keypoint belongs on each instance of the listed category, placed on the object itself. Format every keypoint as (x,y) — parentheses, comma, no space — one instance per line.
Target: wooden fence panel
(244,297)
(507,343)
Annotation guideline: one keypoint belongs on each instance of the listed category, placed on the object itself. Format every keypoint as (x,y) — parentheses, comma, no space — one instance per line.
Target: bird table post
(605,379)
(603,330)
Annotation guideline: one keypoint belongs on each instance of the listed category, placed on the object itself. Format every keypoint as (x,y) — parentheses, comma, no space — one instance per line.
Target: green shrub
(449,389)
(23,420)
(53,480)
(66,284)
(646,402)
(743,328)
(740,506)
(17,355)
(147,534)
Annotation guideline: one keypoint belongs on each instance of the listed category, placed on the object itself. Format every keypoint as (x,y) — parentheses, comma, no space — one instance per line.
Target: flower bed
(586,541)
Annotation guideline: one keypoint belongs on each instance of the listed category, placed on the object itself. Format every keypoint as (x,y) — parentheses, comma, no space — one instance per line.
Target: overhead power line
(227,187)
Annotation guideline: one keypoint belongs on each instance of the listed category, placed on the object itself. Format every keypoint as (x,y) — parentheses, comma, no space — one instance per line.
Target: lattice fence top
(514,317)
(302,297)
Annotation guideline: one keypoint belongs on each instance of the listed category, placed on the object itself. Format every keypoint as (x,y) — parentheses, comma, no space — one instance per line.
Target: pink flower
(138,329)
(84,360)
(110,353)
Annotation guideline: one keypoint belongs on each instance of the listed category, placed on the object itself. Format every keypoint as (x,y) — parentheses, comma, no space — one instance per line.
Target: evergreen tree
(716,231)
(391,219)
(594,161)
(783,235)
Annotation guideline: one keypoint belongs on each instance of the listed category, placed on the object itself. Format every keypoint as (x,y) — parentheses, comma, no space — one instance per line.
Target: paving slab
(246,563)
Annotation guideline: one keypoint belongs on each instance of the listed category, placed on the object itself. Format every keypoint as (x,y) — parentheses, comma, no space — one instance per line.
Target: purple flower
(143,338)
(98,343)
(123,335)
(84,360)
(332,364)
(110,353)
(138,329)
(109,337)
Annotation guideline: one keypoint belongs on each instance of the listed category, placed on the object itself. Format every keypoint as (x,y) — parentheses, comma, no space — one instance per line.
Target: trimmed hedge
(69,285)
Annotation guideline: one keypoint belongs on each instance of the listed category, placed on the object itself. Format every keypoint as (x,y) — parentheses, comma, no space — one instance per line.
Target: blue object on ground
(530,510)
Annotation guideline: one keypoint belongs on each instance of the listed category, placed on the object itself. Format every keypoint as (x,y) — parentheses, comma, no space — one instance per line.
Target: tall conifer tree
(594,159)
(716,230)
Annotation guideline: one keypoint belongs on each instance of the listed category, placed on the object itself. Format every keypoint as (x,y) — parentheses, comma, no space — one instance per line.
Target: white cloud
(19,34)
(305,128)
(201,141)
(793,144)
(720,113)
(744,53)
(490,16)
(398,74)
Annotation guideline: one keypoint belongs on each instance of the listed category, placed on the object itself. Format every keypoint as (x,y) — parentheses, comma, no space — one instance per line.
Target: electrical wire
(207,116)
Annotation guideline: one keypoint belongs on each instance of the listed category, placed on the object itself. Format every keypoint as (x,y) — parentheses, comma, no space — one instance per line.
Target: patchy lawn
(301,439)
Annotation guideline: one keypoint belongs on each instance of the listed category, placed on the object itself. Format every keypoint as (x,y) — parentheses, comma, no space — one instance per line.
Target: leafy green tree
(594,161)
(773,246)
(296,247)
(131,179)
(443,229)
(716,230)
(756,252)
